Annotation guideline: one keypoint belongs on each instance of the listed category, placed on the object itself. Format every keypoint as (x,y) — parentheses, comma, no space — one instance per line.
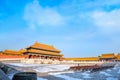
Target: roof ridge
(42,44)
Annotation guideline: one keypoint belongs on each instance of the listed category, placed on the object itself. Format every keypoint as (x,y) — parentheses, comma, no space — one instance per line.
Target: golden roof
(1,53)
(118,56)
(44,46)
(12,52)
(83,59)
(44,52)
(110,55)
(23,50)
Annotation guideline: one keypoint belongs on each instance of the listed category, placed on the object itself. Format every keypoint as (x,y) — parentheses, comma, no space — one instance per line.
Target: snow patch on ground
(118,71)
(114,68)
(52,68)
(86,75)
(10,76)
(66,77)
(23,65)
(111,78)
(43,70)
(57,73)
(41,78)
(108,69)
(106,74)
(43,67)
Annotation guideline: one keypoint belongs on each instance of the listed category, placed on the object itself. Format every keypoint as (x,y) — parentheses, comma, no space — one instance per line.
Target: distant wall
(12,56)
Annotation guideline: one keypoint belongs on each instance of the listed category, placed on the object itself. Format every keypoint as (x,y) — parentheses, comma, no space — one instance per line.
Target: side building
(118,57)
(81,59)
(11,54)
(109,57)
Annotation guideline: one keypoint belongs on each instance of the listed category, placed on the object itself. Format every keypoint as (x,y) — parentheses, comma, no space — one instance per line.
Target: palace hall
(37,50)
(43,51)
(49,52)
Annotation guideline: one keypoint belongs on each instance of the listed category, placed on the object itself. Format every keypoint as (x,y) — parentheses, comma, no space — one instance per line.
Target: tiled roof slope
(110,55)
(12,52)
(44,46)
(44,52)
(118,56)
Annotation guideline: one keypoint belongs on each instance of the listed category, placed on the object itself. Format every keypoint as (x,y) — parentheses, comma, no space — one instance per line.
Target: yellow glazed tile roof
(12,52)
(44,46)
(83,59)
(44,52)
(118,56)
(111,55)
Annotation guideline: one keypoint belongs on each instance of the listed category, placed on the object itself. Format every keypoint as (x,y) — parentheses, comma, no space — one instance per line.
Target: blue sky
(79,28)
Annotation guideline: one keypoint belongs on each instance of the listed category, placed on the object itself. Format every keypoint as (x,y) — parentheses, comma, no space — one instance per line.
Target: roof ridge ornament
(36,42)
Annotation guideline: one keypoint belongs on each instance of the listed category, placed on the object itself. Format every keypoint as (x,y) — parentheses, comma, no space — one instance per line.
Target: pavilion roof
(12,52)
(110,55)
(84,59)
(43,46)
(44,52)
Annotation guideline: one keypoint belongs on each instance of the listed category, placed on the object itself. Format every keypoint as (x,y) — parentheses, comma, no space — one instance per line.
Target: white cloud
(35,14)
(110,2)
(107,21)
